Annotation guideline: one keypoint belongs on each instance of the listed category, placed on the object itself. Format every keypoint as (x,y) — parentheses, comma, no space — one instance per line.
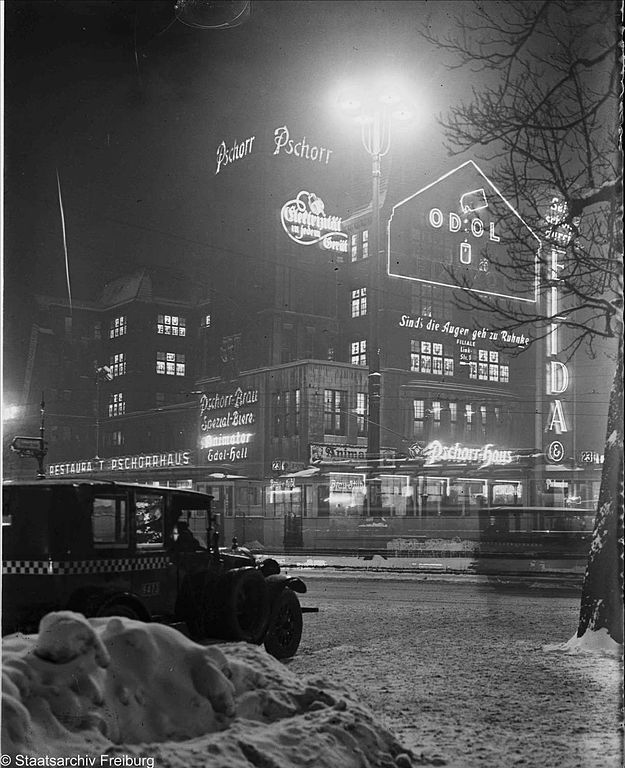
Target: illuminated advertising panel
(482,456)
(459,232)
(131,463)
(305,221)
(228,425)
(285,142)
(557,379)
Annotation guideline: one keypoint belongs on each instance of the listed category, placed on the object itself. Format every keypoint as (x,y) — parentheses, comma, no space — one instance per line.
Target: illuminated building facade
(250,381)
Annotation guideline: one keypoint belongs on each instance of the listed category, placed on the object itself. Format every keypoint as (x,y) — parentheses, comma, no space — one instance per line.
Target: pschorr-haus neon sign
(305,221)
(436,452)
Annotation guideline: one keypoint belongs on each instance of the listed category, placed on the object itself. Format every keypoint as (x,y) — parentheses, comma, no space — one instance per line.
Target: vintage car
(104,548)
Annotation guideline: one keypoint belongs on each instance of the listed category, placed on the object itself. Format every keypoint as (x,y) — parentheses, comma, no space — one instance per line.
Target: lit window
(117,364)
(361,412)
(504,373)
(206,321)
(453,416)
(359,352)
(171,325)
(354,247)
(468,417)
(365,244)
(117,438)
(334,410)
(418,418)
(359,302)
(117,405)
(118,327)
(170,364)
(436,415)
(483,420)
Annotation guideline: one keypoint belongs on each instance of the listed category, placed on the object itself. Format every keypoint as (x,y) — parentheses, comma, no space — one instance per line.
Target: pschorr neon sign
(305,221)
(485,455)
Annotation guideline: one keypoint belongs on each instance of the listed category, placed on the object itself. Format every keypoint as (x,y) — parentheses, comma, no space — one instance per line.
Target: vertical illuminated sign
(557,382)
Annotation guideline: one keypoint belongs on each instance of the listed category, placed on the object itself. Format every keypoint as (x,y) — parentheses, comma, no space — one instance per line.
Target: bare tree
(546,118)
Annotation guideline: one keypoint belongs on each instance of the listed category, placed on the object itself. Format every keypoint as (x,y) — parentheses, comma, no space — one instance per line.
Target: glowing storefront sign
(305,221)
(140,461)
(223,419)
(437,452)
(347,482)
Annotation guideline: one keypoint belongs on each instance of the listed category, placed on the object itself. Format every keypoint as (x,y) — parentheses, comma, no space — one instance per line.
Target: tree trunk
(602,590)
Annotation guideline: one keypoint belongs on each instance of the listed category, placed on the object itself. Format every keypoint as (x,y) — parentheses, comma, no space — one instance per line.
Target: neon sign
(557,381)
(223,419)
(346,482)
(302,149)
(122,463)
(227,155)
(305,221)
(436,452)
(455,232)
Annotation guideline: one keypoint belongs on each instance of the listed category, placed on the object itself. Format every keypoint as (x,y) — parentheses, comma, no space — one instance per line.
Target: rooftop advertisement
(459,231)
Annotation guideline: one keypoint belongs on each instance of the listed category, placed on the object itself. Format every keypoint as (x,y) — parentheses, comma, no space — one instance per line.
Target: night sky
(128,106)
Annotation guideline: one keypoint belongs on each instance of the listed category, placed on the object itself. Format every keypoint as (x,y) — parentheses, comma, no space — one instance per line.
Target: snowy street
(458,671)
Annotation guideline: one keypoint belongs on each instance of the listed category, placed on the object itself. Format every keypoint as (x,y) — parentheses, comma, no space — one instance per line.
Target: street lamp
(376,112)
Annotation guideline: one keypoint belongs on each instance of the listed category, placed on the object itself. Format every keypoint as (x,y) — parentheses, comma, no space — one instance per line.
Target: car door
(154,573)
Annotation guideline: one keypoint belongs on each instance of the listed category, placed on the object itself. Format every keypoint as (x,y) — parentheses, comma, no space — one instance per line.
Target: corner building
(252,382)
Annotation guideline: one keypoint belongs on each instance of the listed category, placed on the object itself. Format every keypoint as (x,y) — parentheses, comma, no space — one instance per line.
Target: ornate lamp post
(376,113)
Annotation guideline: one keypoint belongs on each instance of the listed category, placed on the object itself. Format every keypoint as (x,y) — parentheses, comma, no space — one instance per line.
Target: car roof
(99,483)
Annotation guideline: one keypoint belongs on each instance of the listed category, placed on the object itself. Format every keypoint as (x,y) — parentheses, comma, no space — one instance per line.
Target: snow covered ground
(115,693)
(465,681)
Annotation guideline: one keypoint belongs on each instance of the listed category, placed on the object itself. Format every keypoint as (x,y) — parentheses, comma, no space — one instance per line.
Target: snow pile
(113,685)
(598,641)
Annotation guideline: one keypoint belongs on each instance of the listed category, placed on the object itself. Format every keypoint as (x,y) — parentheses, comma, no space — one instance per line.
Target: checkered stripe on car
(74,567)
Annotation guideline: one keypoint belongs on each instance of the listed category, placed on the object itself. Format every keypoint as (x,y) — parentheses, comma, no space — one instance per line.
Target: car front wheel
(285,631)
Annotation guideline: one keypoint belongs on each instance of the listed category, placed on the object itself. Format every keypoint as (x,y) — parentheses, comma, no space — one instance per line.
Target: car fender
(279,581)
(91,601)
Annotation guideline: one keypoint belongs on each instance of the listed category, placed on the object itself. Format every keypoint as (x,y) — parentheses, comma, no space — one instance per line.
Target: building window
(488,367)
(418,418)
(359,245)
(286,413)
(331,353)
(453,417)
(334,410)
(171,325)
(359,302)
(68,326)
(117,438)
(117,404)
(428,357)
(117,364)
(170,364)
(361,413)
(483,417)
(436,416)
(427,300)
(468,418)
(359,352)
(206,321)
(118,327)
